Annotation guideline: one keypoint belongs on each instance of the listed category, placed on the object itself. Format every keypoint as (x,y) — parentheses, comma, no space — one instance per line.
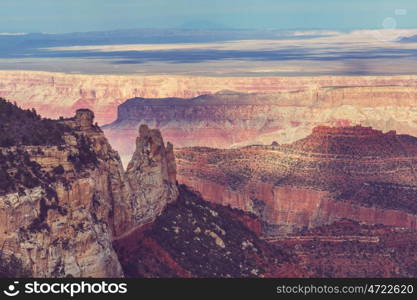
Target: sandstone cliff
(63,203)
(352,172)
(56,94)
(151,175)
(61,218)
(230,119)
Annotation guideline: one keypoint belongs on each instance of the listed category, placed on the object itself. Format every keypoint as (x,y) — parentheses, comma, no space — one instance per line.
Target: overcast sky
(60,16)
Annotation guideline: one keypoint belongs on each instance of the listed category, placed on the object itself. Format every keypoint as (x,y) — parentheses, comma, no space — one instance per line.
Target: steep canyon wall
(63,205)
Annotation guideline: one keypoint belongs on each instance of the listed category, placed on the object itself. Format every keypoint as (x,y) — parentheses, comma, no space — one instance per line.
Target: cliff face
(67,206)
(62,205)
(289,111)
(355,173)
(151,176)
(229,119)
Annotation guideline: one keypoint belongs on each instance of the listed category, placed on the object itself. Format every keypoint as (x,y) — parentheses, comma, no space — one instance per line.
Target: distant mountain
(410,39)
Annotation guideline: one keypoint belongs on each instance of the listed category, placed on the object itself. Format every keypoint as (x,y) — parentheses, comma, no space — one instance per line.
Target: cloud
(312,52)
(314,41)
(12,33)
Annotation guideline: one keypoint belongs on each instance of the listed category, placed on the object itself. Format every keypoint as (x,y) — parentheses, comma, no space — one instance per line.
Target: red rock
(355,173)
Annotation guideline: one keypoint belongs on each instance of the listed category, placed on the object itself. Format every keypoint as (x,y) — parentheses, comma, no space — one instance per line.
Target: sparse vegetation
(19,171)
(12,267)
(58,170)
(24,135)
(205,239)
(86,156)
(26,127)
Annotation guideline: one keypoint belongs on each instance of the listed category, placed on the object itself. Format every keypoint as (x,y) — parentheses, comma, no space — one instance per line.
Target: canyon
(68,209)
(261,177)
(228,119)
(218,112)
(334,173)
(338,203)
(59,94)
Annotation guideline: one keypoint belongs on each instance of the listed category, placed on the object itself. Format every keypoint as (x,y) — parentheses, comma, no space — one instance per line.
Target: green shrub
(26,127)
(13,267)
(58,170)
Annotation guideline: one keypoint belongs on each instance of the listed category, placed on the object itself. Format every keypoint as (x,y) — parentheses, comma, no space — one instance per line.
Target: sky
(64,16)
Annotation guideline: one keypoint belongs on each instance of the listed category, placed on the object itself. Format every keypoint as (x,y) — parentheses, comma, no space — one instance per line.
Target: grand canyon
(218,112)
(71,209)
(162,139)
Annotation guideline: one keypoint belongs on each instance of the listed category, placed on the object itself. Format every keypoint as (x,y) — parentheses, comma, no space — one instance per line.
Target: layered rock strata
(352,172)
(151,175)
(65,203)
(64,225)
(230,119)
(58,94)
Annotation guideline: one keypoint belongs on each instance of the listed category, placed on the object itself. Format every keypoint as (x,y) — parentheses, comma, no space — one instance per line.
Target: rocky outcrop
(151,175)
(64,204)
(118,190)
(64,225)
(353,172)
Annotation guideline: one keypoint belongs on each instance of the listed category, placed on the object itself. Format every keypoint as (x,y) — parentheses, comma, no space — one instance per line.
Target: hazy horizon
(216,38)
(66,16)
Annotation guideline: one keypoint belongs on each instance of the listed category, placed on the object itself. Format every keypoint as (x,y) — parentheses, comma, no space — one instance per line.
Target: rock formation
(63,203)
(352,172)
(230,119)
(67,204)
(57,94)
(151,176)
